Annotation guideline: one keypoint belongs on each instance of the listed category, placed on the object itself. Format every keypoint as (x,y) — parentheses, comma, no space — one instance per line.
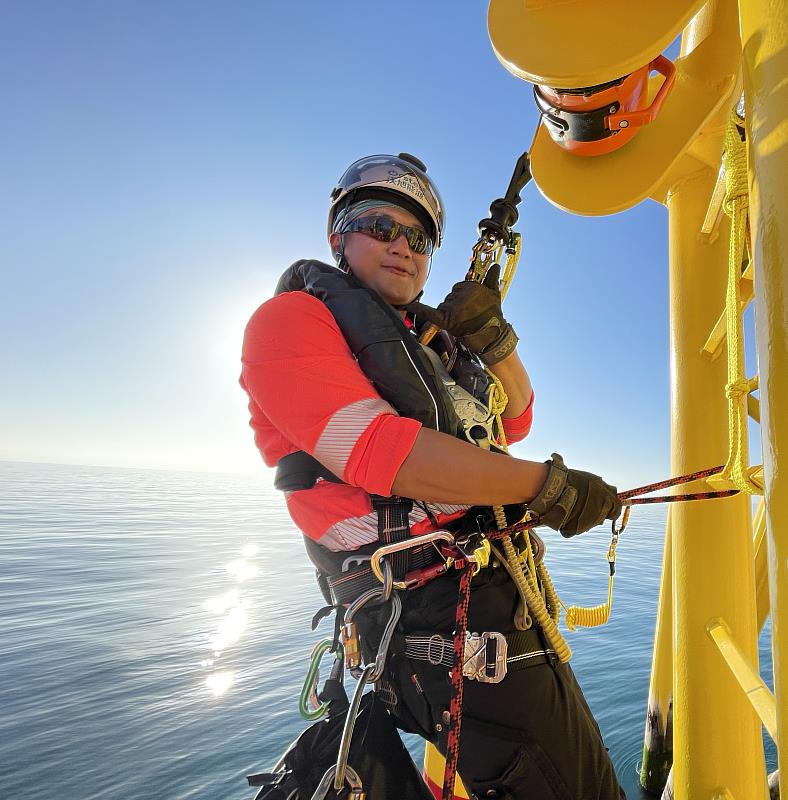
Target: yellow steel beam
(764,33)
(716,734)
(754,408)
(571,43)
(756,691)
(761,568)
(657,741)
(713,346)
(707,77)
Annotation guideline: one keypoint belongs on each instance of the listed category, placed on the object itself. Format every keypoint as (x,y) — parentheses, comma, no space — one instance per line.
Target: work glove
(472,313)
(572,501)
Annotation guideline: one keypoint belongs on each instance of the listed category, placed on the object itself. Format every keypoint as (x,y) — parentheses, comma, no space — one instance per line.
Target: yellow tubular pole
(658,739)
(764,33)
(716,734)
(761,569)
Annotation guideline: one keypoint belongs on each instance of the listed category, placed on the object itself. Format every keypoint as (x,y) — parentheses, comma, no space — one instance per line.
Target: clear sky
(161,164)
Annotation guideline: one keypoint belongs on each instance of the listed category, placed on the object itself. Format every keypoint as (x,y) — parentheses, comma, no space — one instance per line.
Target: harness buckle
(377,557)
(485,657)
(436,639)
(475,549)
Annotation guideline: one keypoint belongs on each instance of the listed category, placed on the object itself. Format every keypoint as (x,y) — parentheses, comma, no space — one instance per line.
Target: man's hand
(472,313)
(572,501)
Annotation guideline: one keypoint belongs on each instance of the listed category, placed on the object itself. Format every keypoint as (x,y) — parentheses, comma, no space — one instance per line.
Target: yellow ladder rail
(756,691)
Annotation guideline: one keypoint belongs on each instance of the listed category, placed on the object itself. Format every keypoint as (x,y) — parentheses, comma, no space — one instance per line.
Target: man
(358,415)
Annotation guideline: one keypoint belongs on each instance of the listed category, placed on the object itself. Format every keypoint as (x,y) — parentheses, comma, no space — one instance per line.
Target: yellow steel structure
(751,682)
(764,33)
(658,738)
(713,599)
(716,734)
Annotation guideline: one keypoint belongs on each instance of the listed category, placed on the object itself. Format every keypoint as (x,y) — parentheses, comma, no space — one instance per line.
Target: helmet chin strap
(403,306)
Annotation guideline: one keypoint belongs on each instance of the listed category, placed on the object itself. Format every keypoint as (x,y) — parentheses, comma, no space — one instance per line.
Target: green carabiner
(309,692)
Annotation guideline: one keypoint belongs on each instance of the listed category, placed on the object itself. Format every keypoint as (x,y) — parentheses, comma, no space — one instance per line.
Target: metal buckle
(485,657)
(436,639)
(415,541)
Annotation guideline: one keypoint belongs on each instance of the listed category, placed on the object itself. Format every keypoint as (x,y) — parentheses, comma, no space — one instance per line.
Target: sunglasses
(385,229)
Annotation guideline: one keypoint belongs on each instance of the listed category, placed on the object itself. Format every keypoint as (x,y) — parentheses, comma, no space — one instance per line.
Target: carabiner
(407,544)
(624,521)
(309,691)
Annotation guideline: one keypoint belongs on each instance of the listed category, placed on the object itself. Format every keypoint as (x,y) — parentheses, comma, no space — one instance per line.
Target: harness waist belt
(357,576)
(488,655)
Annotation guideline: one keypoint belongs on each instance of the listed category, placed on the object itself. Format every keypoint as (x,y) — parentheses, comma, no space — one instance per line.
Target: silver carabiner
(388,632)
(347,730)
(352,779)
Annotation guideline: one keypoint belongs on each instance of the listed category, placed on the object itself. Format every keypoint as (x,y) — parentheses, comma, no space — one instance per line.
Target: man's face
(392,269)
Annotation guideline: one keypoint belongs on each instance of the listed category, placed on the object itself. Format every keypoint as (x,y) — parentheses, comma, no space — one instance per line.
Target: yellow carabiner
(481,556)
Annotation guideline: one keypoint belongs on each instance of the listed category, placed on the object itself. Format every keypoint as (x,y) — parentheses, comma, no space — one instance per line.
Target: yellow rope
(525,583)
(528,575)
(738,386)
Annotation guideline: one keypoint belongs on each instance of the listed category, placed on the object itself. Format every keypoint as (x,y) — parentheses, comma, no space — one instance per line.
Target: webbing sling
(394,526)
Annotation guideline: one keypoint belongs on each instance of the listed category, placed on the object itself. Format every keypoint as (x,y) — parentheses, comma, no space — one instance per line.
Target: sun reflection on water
(232,609)
(220,682)
(241,569)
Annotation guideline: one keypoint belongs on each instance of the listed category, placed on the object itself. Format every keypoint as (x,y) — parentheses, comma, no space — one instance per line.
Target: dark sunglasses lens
(418,241)
(387,229)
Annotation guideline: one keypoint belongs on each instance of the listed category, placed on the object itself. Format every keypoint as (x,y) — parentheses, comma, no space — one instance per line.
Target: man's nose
(400,246)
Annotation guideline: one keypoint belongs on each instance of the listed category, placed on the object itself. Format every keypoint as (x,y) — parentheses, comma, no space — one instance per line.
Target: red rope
(630,497)
(692,476)
(455,704)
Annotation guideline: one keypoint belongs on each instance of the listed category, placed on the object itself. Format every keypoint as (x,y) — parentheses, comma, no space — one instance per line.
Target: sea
(155,632)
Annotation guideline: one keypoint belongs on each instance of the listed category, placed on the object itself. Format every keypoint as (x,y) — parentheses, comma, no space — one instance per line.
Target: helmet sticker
(406,183)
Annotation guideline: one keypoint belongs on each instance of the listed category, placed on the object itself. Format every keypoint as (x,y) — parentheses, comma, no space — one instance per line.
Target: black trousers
(529,737)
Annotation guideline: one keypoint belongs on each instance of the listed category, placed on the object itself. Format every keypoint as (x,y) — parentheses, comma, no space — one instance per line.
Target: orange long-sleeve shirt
(307,392)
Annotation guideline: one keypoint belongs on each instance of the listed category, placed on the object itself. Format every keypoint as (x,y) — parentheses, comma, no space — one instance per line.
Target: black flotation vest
(386,351)
(398,367)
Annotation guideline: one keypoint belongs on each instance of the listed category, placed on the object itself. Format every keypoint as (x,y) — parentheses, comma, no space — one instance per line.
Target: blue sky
(162,163)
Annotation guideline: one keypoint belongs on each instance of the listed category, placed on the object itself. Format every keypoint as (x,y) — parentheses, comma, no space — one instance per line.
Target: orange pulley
(594,120)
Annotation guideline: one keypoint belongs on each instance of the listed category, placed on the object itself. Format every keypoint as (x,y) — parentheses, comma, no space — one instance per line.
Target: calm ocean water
(156,626)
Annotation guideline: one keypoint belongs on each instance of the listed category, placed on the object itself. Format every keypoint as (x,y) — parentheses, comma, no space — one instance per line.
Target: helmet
(595,120)
(401,179)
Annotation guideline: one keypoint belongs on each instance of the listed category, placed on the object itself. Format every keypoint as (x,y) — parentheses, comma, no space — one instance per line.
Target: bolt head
(623,124)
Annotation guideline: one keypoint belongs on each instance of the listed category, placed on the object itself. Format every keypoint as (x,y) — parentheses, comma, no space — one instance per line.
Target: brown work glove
(472,313)
(572,501)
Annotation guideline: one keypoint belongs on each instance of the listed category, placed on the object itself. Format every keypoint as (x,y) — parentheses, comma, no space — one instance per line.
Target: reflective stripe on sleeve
(339,437)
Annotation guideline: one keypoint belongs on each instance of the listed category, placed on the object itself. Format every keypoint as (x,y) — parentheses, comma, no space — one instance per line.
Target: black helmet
(379,177)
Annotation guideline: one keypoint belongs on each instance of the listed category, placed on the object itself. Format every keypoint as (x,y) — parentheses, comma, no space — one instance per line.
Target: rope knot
(737,389)
(735,203)
(741,387)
